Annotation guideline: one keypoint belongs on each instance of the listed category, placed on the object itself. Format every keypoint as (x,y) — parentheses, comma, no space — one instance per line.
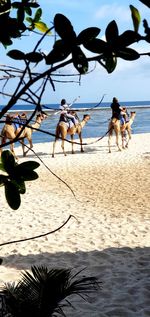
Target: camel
(62,130)
(9,132)
(114,125)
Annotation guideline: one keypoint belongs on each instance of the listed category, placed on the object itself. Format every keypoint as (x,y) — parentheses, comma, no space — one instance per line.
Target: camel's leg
(54,144)
(80,137)
(124,137)
(30,146)
(117,141)
(72,143)
(23,150)
(12,150)
(129,137)
(63,146)
(109,139)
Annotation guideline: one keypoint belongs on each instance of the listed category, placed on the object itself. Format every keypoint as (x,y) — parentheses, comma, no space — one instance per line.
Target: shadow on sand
(124,274)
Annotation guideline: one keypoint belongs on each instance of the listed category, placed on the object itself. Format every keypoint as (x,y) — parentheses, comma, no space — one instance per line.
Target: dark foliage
(17,175)
(42,292)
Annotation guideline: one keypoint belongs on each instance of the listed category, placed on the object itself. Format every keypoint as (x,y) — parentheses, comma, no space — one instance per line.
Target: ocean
(97,126)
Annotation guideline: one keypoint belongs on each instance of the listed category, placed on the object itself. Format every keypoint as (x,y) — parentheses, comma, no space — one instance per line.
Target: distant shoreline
(79,109)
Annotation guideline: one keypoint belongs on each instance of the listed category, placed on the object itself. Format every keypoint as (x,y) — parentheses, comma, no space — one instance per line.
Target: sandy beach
(109,234)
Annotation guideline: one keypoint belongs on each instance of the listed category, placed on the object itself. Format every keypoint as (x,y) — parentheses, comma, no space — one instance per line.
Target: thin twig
(38,236)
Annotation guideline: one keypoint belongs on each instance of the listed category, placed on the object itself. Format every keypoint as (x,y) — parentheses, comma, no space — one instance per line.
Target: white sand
(110,236)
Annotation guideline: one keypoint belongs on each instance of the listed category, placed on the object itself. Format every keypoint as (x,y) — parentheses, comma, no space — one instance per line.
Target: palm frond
(41,292)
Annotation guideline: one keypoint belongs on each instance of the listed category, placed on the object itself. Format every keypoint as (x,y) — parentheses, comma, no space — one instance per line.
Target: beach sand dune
(108,236)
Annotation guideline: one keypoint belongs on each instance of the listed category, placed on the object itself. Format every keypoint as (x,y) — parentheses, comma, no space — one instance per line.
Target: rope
(99,139)
(91,109)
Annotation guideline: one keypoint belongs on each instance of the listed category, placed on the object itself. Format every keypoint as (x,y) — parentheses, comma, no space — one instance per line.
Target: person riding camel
(125,114)
(19,120)
(68,115)
(118,112)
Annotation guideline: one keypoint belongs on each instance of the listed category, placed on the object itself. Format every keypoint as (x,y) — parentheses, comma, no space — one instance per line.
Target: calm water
(97,126)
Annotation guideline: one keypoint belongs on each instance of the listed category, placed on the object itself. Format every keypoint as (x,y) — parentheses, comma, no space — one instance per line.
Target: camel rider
(67,115)
(118,112)
(125,114)
(19,120)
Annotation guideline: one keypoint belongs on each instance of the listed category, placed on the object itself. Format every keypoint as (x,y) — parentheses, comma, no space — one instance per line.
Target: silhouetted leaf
(8,161)
(112,32)
(26,174)
(29,175)
(2,167)
(13,28)
(111,63)
(16,5)
(59,53)
(4,36)
(30,20)
(146,30)
(12,195)
(16,54)
(136,18)
(34,4)
(146,26)
(38,15)
(20,184)
(28,10)
(128,54)
(87,35)
(32,165)
(3,179)
(127,38)
(96,46)
(6,42)
(22,187)
(20,14)
(79,60)
(64,28)
(34,57)
(146,2)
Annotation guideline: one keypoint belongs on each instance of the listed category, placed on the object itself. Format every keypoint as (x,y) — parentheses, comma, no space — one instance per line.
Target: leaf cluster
(36,22)
(17,175)
(70,44)
(40,292)
(115,46)
(15,26)
(33,57)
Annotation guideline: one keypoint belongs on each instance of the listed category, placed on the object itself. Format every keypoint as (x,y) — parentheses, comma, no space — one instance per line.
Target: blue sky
(130,80)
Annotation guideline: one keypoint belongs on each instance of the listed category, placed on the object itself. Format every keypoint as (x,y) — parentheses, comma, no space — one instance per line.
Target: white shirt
(64,107)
